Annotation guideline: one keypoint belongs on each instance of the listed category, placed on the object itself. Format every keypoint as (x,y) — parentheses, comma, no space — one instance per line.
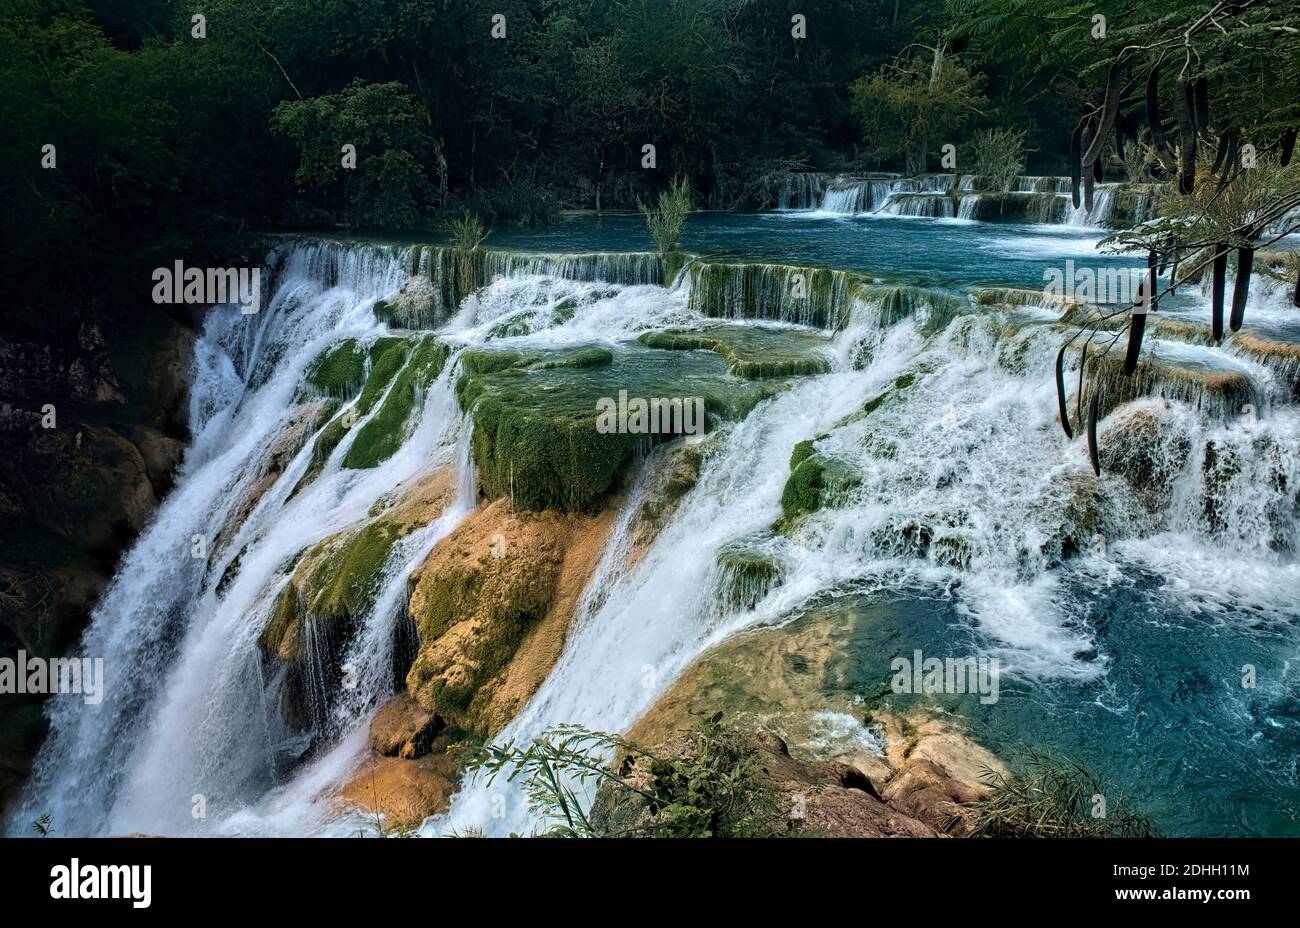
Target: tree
(389,129)
(913,104)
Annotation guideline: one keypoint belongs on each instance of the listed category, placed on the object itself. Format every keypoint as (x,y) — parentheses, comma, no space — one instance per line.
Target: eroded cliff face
(93,422)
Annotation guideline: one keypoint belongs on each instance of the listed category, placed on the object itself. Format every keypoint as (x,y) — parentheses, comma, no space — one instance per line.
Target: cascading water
(962,485)
(1044,200)
(937,417)
(184,713)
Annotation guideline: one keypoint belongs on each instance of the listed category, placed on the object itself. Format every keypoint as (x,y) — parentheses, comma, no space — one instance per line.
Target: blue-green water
(1168,725)
(941,253)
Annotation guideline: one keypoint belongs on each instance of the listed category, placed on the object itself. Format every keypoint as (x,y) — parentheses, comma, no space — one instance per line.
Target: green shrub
(709,788)
(1051,798)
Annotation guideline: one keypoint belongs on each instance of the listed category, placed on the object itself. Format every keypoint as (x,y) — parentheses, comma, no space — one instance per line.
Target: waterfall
(186,710)
(933,418)
(948,493)
(922,205)
(802,295)
(1036,199)
(797,190)
(1103,206)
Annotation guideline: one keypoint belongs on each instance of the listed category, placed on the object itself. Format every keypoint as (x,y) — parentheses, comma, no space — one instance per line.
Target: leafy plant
(906,105)
(665,222)
(999,157)
(466,232)
(42,826)
(1139,157)
(1051,798)
(710,788)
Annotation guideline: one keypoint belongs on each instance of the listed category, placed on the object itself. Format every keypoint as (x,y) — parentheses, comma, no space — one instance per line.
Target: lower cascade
(398,530)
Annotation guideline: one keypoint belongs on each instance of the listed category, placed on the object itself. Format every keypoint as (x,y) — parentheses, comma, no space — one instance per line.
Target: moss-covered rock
(537,434)
(383,433)
(339,371)
(271,465)
(674,472)
(751,352)
(901,383)
(337,579)
(816,481)
(747,573)
(1073,517)
(802,451)
(1216,392)
(1282,358)
(1145,444)
(417,305)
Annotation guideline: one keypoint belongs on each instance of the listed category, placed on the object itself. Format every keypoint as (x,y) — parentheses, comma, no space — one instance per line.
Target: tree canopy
(175,132)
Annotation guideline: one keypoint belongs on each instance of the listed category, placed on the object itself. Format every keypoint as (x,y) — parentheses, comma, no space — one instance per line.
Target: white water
(932,197)
(977,460)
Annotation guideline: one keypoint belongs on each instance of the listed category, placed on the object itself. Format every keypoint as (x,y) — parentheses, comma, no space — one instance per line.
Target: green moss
(341,582)
(387,356)
(672,262)
(511,328)
(535,436)
(803,489)
(324,446)
(815,482)
(802,451)
(285,615)
(385,431)
(545,461)
(345,582)
(564,310)
(503,600)
(338,371)
(752,353)
(488,362)
(902,382)
(585,357)
(747,574)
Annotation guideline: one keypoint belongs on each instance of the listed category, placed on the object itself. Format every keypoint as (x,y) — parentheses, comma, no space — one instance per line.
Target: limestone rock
(402,729)
(492,606)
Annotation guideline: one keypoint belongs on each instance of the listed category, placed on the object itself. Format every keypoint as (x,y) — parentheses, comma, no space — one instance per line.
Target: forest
(181,132)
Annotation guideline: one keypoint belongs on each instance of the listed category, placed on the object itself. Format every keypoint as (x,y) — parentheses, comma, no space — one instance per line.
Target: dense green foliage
(708,787)
(173,139)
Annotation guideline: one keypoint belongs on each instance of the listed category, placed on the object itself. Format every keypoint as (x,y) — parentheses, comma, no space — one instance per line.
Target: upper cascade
(1031,198)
